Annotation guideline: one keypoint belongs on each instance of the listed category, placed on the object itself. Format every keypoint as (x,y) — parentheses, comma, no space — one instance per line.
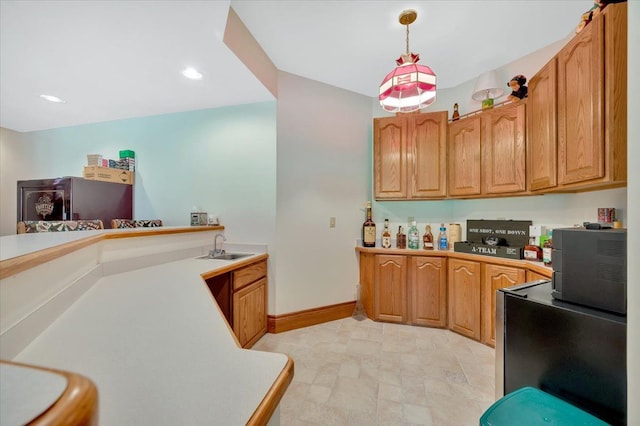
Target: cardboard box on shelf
(108,175)
(94,159)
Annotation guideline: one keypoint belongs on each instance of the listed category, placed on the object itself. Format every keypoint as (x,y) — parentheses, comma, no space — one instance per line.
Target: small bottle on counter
(386,235)
(547,250)
(442,238)
(532,251)
(427,239)
(369,229)
(401,239)
(413,236)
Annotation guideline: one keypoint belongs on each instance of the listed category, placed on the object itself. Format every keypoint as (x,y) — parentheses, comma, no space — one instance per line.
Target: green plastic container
(533,407)
(127,153)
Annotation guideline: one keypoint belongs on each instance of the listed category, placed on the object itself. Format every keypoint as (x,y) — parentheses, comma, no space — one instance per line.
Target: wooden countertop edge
(269,403)
(538,268)
(234,265)
(145,232)
(15,265)
(77,405)
(19,264)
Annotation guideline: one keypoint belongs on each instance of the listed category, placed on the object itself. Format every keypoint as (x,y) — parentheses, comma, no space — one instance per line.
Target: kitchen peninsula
(130,310)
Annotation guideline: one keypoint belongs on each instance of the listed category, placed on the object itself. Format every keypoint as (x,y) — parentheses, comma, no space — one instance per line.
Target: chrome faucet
(216,251)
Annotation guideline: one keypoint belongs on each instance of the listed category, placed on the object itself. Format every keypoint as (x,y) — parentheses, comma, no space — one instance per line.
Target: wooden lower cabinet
(407,289)
(428,291)
(438,291)
(390,288)
(249,303)
(533,276)
(249,313)
(464,297)
(495,277)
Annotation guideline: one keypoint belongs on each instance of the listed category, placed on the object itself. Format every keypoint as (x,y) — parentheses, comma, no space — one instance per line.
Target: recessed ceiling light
(52,98)
(192,73)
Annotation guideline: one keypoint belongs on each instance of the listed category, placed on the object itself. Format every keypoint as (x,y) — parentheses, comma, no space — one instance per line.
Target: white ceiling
(121,59)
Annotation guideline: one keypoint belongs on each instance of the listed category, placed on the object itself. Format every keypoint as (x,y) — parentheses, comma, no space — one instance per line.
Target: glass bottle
(369,229)
(401,239)
(386,235)
(532,251)
(456,114)
(547,250)
(414,236)
(427,239)
(442,238)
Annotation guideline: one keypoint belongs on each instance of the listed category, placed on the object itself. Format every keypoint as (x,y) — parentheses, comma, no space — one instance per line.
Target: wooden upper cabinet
(464,157)
(615,83)
(390,288)
(577,110)
(494,278)
(409,156)
(581,106)
(428,291)
(464,297)
(428,151)
(390,157)
(503,149)
(542,128)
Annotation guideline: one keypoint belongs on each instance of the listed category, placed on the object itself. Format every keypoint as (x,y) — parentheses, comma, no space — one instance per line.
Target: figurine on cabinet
(518,88)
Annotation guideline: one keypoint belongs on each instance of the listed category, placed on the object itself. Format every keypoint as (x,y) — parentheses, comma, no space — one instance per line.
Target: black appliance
(570,351)
(74,198)
(590,267)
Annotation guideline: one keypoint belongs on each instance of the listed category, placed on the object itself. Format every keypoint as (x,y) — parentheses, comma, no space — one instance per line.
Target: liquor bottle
(532,251)
(427,239)
(442,238)
(413,237)
(369,229)
(386,235)
(547,249)
(401,239)
(456,114)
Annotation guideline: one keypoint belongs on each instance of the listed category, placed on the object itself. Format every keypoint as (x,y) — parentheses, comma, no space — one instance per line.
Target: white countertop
(155,344)
(25,393)
(20,244)
(158,350)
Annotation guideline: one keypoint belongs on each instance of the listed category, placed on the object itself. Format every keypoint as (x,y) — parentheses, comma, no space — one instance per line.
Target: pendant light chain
(407,39)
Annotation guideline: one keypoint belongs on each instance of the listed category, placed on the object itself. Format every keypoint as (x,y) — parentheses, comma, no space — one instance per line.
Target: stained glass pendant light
(409,87)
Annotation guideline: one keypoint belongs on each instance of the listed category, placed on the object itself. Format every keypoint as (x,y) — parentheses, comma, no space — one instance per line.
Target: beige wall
(633,278)
(323,170)
(12,154)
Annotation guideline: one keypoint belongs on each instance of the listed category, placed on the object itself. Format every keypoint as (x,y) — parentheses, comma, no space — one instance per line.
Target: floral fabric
(58,226)
(129,223)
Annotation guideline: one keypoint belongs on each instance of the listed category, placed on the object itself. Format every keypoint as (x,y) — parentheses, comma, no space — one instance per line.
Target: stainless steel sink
(226,256)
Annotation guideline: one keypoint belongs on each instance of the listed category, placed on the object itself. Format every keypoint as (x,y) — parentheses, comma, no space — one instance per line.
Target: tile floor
(351,372)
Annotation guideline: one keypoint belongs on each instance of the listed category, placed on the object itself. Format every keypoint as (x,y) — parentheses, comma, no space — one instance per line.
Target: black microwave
(590,267)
